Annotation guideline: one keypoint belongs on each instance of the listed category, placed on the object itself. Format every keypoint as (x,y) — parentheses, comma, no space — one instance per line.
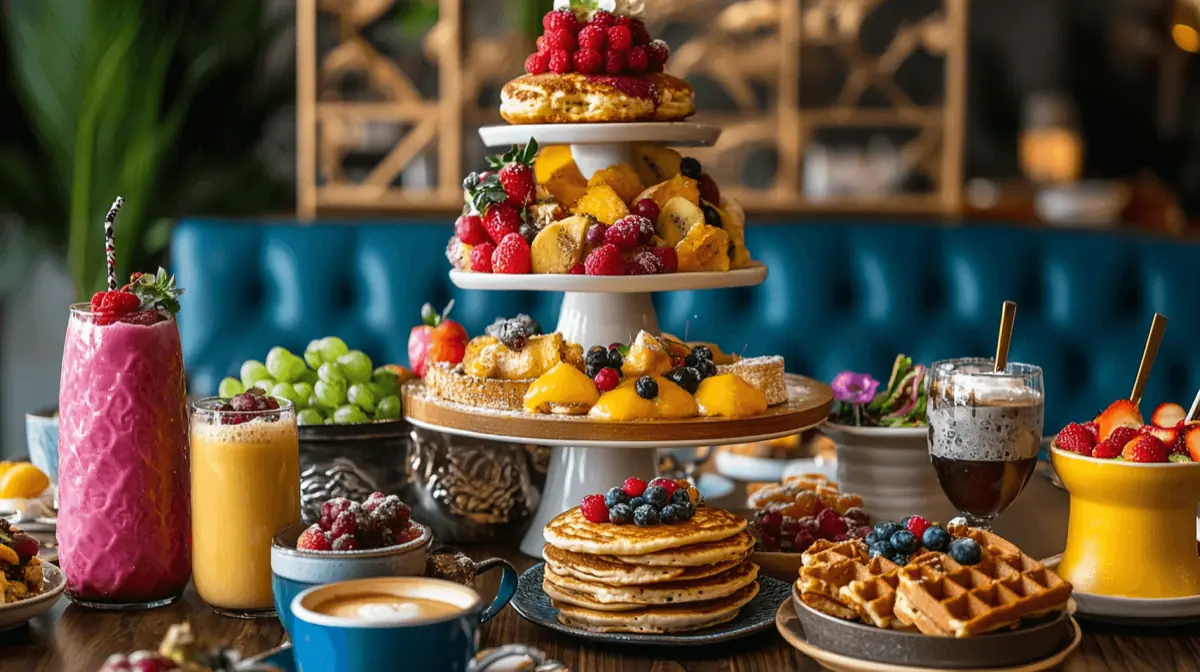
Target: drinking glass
(985,433)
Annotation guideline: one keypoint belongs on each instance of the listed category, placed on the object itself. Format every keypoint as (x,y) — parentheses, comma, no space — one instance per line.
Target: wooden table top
(74,639)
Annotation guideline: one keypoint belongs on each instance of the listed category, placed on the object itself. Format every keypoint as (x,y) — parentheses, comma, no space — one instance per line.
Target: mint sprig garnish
(517,154)
(156,291)
(487,192)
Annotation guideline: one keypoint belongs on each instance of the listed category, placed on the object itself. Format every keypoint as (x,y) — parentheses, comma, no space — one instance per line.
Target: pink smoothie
(124,522)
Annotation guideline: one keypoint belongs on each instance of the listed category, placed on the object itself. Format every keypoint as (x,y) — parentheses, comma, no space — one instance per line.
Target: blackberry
(647,387)
(705,368)
(615,359)
(703,352)
(620,514)
(686,377)
(614,497)
(645,516)
(671,515)
(691,168)
(471,182)
(597,356)
(681,497)
(711,216)
(594,369)
(656,496)
(512,333)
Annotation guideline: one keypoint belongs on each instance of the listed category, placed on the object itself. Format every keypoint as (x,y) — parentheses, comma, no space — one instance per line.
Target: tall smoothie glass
(124,534)
(245,488)
(985,433)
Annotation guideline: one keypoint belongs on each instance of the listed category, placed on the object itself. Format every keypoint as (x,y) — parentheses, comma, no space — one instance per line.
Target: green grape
(310,416)
(331,373)
(385,381)
(331,347)
(378,391)
(253,371)
(330,394)
(309,376)
(313,402)
(328,421)
(230,387)
(279,364)
(361,395)
(298,368)
(349,415)
(388,408)
(312,354)
(287,391)
(356,365)
(303,392)
(266,385)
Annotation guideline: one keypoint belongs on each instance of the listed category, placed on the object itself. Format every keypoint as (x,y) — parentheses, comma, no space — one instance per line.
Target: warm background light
(1186,38)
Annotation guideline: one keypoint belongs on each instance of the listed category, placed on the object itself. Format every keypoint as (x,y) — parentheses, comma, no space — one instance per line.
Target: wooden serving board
(809,402)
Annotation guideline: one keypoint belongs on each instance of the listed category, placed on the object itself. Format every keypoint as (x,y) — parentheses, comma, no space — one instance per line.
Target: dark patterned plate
(532,603)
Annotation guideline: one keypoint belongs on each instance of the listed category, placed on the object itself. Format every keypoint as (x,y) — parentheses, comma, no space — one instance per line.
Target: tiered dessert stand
(591,456)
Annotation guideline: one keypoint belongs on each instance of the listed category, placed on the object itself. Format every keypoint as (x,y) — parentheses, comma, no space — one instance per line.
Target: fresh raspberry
(634,486)
(644,263)
(604,260)
(538,64)
(638,60)
(595,234)
(543,45)
(481,257)
(594,509)
(1093,428)
(648,209)
(1076,438)
(561,39)
(469,229)
(659,52)
(345,523)
(670,485)
(802,541)
(619,38)
(577,269)
(592,37)
(614,62)
(708,189)
(115,303)
(518,182)
(641,35)
(1106,450)
(668,258)
(346,543)
(587,61)
(560,19)
(603,19)
(607,379)
(501,220)
(560,61)
(917,525)
(512,256)
(373,501)
(313,539)
(1123,435)
(624,233)
(830,524)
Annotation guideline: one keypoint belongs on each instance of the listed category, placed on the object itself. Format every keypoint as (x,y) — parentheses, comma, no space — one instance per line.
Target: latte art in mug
(385,607)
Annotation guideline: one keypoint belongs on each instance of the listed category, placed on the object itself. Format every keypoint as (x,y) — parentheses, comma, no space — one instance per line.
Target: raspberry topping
(561,39)
(314,539)
(594,508)
(588,61)
(645,262)
(620,38)
(577,269)
(481,257)
(607,379)
(668,484)
(501,220)
(659,52)
(538,64)
(668,258)
(560,61)
(560,19)
(634,486)
(708,189)
(603,19)
(624,233)
(593,37)
(637,60)
(614,62)
(605,260)
(830,524)
(917,525)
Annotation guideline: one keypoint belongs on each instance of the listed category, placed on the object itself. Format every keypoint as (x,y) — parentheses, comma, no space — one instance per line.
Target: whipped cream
(389,611)
(986,388)
(584,9)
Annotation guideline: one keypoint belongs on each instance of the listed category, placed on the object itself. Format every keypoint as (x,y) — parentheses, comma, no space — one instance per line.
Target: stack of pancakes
(658,579)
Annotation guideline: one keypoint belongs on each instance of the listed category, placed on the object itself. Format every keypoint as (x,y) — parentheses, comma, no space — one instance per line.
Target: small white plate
(754,274)
(1133,611)
(768,470)
(17,613)
(679,134)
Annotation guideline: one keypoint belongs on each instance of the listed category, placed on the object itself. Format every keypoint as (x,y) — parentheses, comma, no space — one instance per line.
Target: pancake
(565,596)
(675,618)
(732,549)
(599,569)
(572,532)
(574,98)
(670,592)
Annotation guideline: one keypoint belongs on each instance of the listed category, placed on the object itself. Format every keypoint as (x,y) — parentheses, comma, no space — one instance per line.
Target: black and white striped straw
(110,248)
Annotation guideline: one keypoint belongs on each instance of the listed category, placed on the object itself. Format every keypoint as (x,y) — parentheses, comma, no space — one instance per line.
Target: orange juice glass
(245,488)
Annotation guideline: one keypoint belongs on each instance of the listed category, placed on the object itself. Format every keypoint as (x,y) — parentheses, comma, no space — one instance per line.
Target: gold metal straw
(1157,327)
(1191,415)
(1007,315)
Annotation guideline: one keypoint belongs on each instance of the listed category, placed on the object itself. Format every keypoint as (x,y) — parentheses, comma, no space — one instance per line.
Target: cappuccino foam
(993,421)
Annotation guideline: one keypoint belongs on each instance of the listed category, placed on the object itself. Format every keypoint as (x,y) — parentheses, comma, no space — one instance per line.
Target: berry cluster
(22,544)
(344,525)
(899,542)
(660,501)
(605,45)
(147,298)
(604,365)
(615,248)
(514,333)
(496,225)
(251,404)
(1118,434)
(693,368)
(774,531)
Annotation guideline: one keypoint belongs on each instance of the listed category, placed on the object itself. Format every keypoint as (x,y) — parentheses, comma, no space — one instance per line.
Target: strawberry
(1168,435)
(1145,448)
(114,303)
(435,330)
(470,230)
(1123,435)
(1167,415)
(1191,440)
(1092,427)
(517,180)
(1107,450)
(481,257)
(1120,413)
(1076,439)
(502,220)
(512,256)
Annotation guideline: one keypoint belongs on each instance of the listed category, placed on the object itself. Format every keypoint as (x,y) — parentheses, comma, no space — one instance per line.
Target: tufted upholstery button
(840,295)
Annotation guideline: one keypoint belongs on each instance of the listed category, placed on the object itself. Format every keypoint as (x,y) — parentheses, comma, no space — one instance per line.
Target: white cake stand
(602,310)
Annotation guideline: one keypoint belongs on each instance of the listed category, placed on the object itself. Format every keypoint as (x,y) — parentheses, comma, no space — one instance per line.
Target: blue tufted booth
(840,295)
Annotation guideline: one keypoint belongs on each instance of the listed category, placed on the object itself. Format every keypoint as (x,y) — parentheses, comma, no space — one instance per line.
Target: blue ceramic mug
(414,623)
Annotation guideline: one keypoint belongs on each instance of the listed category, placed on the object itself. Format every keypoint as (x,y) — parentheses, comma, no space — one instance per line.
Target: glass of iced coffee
(985,433)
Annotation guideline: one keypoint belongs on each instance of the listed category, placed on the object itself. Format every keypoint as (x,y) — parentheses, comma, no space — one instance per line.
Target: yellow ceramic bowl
(1132,531)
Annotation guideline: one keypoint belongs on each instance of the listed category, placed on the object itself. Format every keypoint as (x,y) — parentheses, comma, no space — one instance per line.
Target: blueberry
(702,352)
(686,377)
(904,541)
(966,551)
(687,509)
(645,516)
(880,548)
(691,168)
(647,387)
(871,538)
(637,503)
(681,497)
(656,496)
(671,514)
(936,538)
(899,559)
(904,521)
(620,514)
(615,359)
(886,529)
(615,496)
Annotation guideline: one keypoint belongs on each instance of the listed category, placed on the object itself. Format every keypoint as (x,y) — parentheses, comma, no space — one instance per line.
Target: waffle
(764,374)
(574,98)
(453,384)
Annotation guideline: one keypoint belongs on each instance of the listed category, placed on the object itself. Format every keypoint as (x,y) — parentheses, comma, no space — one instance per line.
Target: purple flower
(854,388)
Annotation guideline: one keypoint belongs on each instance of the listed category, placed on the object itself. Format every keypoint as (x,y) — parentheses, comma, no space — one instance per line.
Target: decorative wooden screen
(378,132)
